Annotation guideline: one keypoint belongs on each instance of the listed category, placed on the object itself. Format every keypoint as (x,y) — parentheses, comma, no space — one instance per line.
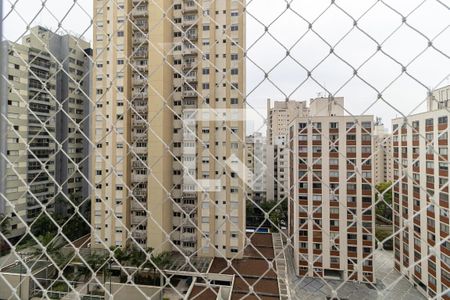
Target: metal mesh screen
(141,158)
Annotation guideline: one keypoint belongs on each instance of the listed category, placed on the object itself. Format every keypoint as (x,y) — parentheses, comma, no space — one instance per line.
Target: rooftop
(257,269)
(203,293)
(20,268)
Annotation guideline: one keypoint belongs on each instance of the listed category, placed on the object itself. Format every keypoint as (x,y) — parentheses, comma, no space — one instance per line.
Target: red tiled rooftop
(259,252)
(203,293)
(261,239)
(261,286)
(242,296)
(255,265)
(244,266)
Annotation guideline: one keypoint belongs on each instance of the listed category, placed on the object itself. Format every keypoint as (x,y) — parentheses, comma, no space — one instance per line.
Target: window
(443,120)
(366,124)
(334,125)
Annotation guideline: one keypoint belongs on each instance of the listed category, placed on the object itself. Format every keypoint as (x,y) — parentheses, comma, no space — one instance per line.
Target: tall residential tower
(47,108)
(163,182)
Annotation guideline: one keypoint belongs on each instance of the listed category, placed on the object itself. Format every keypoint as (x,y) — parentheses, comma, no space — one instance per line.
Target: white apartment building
(331,213)
(421,197)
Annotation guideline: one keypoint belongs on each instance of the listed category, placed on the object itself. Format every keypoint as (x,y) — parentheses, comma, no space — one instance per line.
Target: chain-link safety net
(140,156)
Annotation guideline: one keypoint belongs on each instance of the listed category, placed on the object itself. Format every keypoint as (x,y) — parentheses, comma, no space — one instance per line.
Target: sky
(275,28)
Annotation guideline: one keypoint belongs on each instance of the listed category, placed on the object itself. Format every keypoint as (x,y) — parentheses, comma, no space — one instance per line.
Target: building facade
(382,158)
(32,117)
(71,76)
(256,164)
(171,188)
(331,215)
(421,197)
(14,119)
(279,116)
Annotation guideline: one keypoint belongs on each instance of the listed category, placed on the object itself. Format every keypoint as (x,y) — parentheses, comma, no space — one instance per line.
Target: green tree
(383,208)
(97,263)
(43,225)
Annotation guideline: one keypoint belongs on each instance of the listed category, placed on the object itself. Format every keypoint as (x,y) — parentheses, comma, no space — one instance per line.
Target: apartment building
(421,197)
(331,215)
(159,178)
(279,116)
(382,158)
(14,121)
(439,99)
(256,165)
(37,89)
(70,58)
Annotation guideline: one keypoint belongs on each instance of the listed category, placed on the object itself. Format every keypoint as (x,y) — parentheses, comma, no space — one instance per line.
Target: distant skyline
(286,78)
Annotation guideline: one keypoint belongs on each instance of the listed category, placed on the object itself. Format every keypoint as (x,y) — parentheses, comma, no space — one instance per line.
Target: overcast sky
(287,77)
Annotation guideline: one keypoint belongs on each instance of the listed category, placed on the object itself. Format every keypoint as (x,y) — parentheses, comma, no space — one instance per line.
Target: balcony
(137,164)
(141,109)
(139,192)
(135,205)
(190,22)
(189,238)
(192,37)
(187,207)
(138,219)
(189,93)
(139,234)
(189,103)
(138,40)
(140,68)
(139,13)
(139,81)
(139,122)
(191,77)
(188,65)
(140,150)
(139,177)
(189,51)
(189,7)
(140,94)
(140,53)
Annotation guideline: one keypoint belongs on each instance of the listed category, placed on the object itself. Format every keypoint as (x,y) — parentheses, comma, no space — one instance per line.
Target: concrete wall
(136,292)
(8,280)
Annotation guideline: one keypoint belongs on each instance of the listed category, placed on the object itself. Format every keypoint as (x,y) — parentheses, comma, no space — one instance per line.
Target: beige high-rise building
(163,182)
(257,167)
(421,197)
(279,116)
(382,158)
(331,213)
